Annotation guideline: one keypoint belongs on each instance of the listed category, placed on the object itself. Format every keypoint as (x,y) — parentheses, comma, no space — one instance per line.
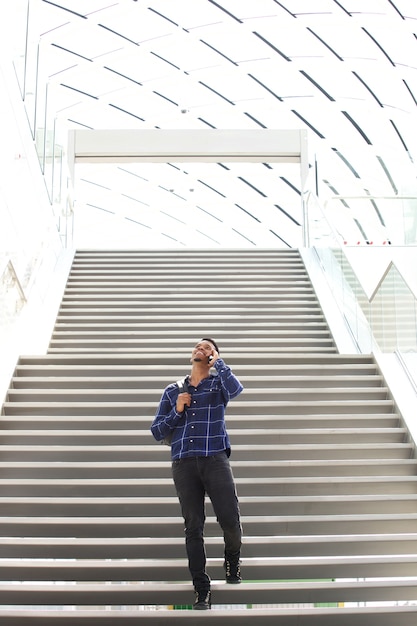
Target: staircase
(90,526)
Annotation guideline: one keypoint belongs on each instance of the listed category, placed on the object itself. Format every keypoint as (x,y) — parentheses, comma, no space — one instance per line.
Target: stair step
(159,382)
(182,356)
(239,452)
(142,422)
(262,338)
(250,505)
(152,372)
(262,397)
(269,568)
(239,436)
(313,348)
(148,408)
(173,547)
(252,469)
(121,327)
(159,526)
(163,487)
(301,345)
(322,616)
(182,594)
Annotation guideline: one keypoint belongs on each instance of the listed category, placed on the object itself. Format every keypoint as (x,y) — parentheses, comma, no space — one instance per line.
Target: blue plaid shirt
(200,430)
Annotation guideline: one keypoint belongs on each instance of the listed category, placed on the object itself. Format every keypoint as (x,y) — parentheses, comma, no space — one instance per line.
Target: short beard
(197,360)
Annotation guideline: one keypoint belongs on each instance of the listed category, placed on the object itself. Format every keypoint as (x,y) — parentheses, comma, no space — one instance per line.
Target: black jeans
(193,478)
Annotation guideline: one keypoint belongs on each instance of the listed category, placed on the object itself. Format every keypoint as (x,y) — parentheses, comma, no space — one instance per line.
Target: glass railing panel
(390,311)
(393,314)
(349,295)
(372,220)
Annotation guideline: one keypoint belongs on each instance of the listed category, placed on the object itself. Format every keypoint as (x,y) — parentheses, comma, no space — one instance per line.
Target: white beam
(207,145)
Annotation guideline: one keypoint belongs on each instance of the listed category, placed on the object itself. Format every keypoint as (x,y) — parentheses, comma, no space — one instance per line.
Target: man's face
(201,351)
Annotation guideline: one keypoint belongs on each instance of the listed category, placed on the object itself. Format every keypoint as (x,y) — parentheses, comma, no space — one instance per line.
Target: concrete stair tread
(260,469)
(160,526)
(250,430)
(158,382)
(173,548)
(213,540)
(263,393)
(226,328)
(106,522)
(139,488)
(180,593)
(313,348)
(183,338)
(287,480)
(322,616)
(252,499)
(309,464)
(293,421)
(268,568)
(282,344)
(182,355)
(156,448)
(152,405)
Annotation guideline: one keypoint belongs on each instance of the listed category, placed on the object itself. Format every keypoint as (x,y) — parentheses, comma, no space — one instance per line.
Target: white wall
(28,236)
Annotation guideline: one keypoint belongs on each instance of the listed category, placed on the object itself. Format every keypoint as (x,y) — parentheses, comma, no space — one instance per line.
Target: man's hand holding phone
(213,357)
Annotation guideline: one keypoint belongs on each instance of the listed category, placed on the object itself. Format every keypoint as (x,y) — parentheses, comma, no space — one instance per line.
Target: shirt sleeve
(166,417)
(231,385)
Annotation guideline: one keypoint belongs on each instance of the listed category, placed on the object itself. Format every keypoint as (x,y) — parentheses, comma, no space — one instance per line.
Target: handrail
(332,198)
(8,266)
(379,284)
(406,369)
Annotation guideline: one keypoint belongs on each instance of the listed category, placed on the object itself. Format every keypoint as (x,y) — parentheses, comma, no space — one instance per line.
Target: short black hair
(213,342)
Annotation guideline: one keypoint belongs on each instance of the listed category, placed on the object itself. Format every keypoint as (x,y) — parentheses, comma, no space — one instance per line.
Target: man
(200,451)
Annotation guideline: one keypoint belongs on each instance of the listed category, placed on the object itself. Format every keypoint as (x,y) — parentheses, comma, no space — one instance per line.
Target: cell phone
(210,358)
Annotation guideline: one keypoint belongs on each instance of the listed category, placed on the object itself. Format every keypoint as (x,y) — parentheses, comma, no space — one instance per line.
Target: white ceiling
(344,69)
